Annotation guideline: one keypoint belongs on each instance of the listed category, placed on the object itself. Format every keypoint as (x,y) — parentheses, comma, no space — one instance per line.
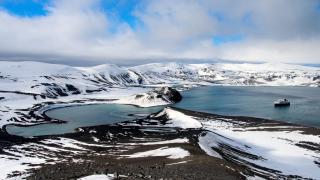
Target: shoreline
(137,128)
(151,129)
(38,113)
(50,120)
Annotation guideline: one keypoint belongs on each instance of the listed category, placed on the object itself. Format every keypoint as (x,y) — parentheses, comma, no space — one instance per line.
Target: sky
(140,31)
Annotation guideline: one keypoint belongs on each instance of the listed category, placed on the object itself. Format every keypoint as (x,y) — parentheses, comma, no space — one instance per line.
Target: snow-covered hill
(60,80)
(230,74)
(272,149)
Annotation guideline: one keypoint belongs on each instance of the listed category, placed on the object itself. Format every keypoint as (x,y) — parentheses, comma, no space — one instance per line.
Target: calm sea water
(257,102)
(82,116)
(225,100)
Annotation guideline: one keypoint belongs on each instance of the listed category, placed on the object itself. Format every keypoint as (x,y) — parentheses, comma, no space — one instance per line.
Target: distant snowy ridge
(52,80)
(230,74)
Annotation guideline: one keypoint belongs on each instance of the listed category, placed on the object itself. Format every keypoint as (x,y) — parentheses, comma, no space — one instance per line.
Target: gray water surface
(82,116)
(257,102)
(224,100)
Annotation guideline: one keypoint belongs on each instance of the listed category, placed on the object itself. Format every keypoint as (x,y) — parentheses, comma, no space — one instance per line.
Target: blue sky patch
(25,8)
(222,39)
(218,16)
(318,7)
(247,19)
(122,10)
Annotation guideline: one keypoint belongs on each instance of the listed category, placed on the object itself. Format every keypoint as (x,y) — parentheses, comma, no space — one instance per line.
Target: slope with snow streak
(98,177)
(268,148)
(176,119)
(171,153)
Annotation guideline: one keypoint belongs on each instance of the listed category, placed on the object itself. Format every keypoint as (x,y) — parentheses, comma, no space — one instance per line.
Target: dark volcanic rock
(170,93)
(73,89)
(157,96)
(316,78)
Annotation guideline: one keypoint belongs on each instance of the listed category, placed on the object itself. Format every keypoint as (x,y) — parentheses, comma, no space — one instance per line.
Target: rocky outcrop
(155,97)
(168,93)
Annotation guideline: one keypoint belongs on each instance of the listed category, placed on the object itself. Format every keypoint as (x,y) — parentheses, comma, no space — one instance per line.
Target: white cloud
(291,51)
(273,30)
(171,24)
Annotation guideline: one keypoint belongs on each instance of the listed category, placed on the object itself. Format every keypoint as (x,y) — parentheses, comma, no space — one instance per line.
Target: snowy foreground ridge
(272,148)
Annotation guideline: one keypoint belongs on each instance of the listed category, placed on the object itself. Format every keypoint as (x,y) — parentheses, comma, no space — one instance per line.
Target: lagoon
(223,100)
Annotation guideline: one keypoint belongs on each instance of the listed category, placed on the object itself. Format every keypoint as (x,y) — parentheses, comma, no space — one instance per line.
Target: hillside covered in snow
(52,80)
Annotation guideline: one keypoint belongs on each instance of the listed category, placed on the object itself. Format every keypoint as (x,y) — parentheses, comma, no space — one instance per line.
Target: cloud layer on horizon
(266,30)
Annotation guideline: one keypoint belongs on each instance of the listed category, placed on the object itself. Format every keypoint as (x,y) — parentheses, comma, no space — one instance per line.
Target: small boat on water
(281,102)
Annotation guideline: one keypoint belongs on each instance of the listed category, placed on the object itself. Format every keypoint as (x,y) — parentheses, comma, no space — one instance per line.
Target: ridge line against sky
(136,31)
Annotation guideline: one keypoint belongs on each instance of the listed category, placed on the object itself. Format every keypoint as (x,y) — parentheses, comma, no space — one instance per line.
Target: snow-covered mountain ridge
(53,80)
